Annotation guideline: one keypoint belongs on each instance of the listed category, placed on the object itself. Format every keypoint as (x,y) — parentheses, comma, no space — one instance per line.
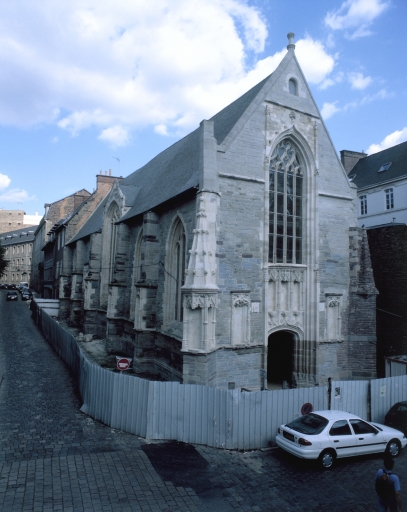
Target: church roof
(374,169)
(93,224)
(176,169)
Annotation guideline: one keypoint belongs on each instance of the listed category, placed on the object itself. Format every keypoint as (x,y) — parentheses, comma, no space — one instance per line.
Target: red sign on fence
(123,363)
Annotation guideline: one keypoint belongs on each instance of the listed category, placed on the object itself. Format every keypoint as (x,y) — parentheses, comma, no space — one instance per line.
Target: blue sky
(87,82)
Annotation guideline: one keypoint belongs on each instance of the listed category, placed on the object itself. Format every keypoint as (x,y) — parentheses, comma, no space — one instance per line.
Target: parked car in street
(26,295)
(397,417)
(12,295)
(327,435)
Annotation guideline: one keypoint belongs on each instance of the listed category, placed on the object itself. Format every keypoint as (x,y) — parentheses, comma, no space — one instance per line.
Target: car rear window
(309,424)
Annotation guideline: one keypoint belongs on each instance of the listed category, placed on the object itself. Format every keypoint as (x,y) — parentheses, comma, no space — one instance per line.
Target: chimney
(46,206)
(77,200)
(350,158)
(104,182)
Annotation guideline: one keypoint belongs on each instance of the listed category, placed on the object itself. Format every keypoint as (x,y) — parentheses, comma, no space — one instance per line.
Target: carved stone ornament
(286,275)
(199,301)
(333,303)
(240,299)
(284,319)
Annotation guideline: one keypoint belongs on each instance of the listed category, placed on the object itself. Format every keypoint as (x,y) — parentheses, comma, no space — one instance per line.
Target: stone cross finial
(291,44)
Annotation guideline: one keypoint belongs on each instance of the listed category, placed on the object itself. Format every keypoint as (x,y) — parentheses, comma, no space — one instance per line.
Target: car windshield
(309,424)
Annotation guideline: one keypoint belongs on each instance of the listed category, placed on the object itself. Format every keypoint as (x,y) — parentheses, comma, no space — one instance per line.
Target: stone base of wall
(227,368)
(64,309)
(91,323)
(351,359)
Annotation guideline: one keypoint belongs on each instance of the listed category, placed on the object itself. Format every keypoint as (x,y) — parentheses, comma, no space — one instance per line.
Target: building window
(285,205)
(175,272)
(292,87)
(389,199)
(384,167)
(363,205)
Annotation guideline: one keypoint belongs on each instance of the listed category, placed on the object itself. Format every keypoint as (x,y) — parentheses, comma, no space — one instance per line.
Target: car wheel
(393,447)
(326,459)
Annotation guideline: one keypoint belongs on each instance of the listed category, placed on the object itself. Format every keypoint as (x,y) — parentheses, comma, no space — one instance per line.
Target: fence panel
(201,414)
(385,393)
(351,396)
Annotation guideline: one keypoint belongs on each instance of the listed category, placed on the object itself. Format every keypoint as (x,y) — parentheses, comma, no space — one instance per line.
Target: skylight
(384,167)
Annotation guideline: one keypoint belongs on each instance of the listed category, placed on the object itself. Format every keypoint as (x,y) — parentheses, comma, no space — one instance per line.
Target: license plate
(289,436)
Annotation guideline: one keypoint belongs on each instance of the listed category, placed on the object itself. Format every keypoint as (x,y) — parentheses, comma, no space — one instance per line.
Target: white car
(325,435)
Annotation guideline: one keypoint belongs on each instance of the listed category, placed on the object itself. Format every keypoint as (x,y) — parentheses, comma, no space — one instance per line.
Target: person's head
(388,463)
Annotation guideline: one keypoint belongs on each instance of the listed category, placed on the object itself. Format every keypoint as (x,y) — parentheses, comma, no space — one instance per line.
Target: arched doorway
(280,359)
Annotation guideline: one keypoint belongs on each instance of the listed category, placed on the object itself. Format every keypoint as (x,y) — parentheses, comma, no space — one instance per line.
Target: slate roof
(17,236)
(173,171)
(93,224)
(366,173)
(226,119)
(176,169)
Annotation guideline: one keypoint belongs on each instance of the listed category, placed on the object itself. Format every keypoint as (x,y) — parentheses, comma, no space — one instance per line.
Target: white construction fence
(228,419)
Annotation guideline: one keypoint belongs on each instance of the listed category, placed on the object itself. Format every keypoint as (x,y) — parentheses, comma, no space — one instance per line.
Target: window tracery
(285,205)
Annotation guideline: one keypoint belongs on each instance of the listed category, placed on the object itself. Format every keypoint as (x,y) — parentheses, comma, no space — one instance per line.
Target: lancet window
(285,205)
(175,278)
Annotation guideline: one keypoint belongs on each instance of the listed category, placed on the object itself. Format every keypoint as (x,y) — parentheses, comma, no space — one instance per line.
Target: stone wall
(388,249)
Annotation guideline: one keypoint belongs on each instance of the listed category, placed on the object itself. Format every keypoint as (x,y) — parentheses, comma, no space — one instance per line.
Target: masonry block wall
(388,249)
(11,219)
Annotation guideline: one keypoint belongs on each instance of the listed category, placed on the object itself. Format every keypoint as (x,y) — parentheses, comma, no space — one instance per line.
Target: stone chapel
(233,258)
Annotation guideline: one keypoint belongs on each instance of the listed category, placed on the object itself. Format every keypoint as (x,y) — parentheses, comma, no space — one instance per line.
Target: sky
(91,85)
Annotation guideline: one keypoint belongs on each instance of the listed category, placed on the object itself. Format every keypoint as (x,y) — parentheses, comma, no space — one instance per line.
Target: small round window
(292,87)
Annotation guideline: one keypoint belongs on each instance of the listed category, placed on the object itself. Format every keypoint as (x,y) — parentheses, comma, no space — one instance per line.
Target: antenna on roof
(118,159)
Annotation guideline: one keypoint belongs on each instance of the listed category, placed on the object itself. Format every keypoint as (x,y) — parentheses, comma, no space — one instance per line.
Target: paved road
(54,458)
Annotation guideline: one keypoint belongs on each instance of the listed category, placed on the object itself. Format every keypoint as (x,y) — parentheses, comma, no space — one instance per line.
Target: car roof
(336,415)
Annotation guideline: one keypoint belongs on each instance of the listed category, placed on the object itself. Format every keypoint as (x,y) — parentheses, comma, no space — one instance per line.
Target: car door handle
(336,440)
(361,438)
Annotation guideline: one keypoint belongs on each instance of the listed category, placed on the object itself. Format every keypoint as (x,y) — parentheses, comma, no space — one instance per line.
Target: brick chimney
(350,158)
(105,182)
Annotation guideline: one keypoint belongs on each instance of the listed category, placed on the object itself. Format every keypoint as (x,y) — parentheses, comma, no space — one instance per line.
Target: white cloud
(161,129)
(327,82)
(15,195)
(393,139)
(4,181)
(356,15)
(329,109)
(163,63)
(358,81)
(315,62)
(115,135)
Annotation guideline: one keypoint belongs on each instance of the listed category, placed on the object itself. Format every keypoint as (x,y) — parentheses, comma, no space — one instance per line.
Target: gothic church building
(233,258)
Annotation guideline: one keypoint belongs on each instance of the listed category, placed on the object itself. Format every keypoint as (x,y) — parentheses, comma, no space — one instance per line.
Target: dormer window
(384,167)
(293,87)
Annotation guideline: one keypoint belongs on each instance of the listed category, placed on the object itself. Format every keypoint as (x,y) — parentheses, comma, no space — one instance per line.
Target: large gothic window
(175,271)
(286,195)
(114,215)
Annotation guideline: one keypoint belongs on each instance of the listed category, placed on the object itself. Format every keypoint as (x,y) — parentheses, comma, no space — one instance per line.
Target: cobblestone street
(53,457)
